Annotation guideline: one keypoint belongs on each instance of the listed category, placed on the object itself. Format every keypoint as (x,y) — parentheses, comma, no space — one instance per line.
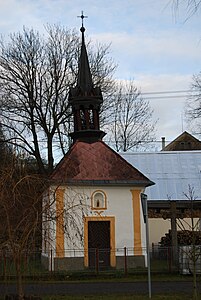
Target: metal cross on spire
(82,17)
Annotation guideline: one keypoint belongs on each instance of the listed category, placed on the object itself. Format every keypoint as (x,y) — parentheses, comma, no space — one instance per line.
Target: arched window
(98,200)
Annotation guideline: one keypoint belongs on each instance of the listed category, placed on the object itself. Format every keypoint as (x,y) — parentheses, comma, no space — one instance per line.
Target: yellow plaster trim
(60,223)
(137,221)
(112,238)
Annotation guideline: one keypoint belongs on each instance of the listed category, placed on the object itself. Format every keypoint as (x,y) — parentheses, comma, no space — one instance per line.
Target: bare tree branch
(191,7)
(132,118)
(35,75)
(193,104)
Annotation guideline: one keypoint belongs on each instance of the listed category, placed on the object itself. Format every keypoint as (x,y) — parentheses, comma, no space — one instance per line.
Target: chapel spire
(85,100)
(84,74)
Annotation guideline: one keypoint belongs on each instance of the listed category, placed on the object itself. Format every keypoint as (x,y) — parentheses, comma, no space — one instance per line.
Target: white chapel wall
(119,205)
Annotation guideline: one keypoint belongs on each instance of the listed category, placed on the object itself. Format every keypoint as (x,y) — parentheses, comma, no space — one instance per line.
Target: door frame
(112,238)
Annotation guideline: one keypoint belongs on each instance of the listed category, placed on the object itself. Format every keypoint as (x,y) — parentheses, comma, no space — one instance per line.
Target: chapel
(94,193)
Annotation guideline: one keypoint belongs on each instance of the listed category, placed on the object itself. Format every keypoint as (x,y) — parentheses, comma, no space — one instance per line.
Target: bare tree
(195,251)
(20,199)
(6,152)
(191,6)
(132,118)
(193,104)
(188,238)
(35,75)
(25,222)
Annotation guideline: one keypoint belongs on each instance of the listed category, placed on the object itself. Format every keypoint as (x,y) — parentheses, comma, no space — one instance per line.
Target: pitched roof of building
(172,171)
(184,141)
(97,164)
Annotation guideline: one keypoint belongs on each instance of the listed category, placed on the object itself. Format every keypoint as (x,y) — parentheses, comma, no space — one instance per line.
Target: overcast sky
(149,42)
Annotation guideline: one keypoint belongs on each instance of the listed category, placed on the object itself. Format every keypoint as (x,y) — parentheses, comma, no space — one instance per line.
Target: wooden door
(99,243)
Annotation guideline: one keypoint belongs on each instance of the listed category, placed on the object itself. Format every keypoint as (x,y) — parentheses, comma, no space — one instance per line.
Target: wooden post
(125,261)
(173,208)
(153,250)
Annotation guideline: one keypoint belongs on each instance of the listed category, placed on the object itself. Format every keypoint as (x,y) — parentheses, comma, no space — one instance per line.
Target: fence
(99,260)
(190,259)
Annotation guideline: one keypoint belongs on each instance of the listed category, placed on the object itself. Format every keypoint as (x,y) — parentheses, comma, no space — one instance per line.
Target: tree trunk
(50,154)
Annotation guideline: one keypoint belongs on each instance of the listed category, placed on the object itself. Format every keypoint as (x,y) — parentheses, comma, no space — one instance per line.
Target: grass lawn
(117,277)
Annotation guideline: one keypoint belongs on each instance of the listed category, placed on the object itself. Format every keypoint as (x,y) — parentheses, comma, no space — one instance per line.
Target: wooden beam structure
(184,209)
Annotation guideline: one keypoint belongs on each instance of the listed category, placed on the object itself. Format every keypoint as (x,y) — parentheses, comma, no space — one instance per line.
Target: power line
(166,97)
(169,92)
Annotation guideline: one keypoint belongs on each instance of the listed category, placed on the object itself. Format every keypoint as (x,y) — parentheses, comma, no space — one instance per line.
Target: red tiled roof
(96,162)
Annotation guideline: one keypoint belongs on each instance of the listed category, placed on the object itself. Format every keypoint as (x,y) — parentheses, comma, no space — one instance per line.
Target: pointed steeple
(85,100)
(84,74)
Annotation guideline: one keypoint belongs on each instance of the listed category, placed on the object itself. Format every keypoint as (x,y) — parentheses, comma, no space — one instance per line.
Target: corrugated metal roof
(172,172)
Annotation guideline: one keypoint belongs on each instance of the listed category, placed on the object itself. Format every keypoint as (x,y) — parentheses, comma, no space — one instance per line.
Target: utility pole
(145,213)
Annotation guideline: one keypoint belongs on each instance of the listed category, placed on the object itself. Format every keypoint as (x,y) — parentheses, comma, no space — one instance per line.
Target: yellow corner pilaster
(137,221)
(60,223)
